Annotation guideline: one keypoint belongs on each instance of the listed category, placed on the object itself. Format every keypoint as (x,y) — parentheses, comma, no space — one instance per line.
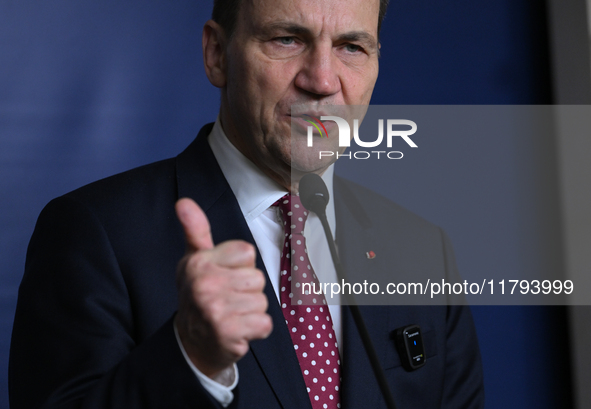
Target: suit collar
(355,236)
(199,177)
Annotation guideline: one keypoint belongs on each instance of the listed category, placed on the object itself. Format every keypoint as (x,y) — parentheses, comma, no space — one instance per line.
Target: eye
(353,48)
(286,40)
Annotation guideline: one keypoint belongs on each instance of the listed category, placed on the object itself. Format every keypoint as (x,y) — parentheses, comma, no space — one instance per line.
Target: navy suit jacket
(93,327)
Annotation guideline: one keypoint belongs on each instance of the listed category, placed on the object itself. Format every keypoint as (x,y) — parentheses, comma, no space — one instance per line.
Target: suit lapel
(355,236)
(199,177)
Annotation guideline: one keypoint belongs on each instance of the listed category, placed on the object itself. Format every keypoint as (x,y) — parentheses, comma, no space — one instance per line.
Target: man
(96,325)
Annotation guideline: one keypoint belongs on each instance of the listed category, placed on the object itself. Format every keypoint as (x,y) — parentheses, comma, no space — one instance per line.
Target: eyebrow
(352,36)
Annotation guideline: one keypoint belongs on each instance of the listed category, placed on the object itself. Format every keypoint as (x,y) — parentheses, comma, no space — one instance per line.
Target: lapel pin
(370,254)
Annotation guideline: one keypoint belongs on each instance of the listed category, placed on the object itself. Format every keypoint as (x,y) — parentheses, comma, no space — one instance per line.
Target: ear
(214,53)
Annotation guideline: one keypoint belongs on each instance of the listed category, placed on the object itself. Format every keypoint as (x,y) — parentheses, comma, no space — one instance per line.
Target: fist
(221,301)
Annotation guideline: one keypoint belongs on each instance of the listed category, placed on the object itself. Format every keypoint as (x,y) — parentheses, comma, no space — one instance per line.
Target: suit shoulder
(135,196)
(143,180)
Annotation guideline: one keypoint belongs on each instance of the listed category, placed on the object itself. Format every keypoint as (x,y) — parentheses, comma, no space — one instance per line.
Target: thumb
(195,224)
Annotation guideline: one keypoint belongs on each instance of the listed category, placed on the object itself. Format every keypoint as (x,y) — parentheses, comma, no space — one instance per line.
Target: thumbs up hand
(221,301)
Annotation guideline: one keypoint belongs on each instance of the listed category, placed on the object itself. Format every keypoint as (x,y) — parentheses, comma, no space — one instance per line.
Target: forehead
(319,16)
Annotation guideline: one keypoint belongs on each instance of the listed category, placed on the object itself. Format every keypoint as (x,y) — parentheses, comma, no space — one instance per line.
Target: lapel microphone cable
(314,196)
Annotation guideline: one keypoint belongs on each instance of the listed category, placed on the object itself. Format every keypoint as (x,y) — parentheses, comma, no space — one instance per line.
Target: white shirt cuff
(220,387)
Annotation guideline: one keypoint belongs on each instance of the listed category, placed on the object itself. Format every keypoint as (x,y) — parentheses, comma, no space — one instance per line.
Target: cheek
(259,88)
(358,85)
(274,79)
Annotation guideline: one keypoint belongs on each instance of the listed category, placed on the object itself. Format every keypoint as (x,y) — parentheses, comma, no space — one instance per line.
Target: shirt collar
(254,191)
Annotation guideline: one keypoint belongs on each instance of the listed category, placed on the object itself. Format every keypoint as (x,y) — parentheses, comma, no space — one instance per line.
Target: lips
(312,118)
(309,114)
(312,113)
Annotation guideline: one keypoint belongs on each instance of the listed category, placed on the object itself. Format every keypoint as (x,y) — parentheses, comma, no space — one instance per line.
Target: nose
(319,74)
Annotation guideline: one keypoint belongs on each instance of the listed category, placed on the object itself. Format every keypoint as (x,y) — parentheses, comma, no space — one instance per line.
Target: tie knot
(293,212)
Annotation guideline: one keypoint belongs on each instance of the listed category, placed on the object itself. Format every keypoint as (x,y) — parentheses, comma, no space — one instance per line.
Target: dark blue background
(88,89)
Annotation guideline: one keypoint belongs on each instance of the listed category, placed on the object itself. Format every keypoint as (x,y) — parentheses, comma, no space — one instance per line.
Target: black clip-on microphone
(314,196)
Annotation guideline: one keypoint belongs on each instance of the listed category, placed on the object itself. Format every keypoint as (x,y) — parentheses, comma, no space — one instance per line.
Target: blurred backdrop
(92,88)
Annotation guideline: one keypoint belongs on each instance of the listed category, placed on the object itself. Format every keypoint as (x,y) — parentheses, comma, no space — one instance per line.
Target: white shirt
(256,193)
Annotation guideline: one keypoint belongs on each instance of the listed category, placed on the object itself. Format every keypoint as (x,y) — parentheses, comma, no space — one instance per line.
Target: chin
(310,163)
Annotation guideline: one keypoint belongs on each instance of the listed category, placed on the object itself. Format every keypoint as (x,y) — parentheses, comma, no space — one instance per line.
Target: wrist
(202,358)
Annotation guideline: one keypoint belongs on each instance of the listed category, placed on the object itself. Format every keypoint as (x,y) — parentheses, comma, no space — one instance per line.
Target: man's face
(291,52)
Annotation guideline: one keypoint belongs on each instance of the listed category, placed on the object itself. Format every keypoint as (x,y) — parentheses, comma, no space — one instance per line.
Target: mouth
(302,120)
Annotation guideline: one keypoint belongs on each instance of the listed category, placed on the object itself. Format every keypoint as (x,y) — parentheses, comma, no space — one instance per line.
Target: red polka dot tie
(307,315)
